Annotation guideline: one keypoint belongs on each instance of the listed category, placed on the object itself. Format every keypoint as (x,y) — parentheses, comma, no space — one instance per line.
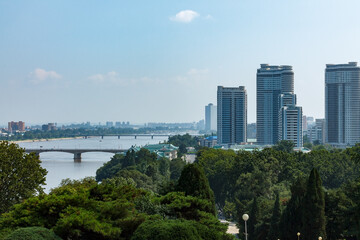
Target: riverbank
(45,139)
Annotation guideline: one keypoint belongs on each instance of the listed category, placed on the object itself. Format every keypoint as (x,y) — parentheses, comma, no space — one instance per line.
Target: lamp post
(298,234)
(245,217)
(320,238)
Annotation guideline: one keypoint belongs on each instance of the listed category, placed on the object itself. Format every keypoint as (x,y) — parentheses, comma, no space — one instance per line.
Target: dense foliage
(21,175)
(114,209)
(239,179)
(33,233)
(138,196)
(144,168)
(184,141)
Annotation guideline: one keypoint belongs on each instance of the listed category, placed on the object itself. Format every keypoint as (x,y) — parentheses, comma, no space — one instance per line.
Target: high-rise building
(210,117)
(290,120)
(49,127)
(304,126)
(16,126)
(271,81)
(310,121)
(317,131)
(342,104)
(231,115)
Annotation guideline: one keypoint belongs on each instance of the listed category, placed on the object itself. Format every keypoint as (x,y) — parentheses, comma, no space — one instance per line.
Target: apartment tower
(210,117)
(290,120)
(271,81)
(231,115)
(342,104)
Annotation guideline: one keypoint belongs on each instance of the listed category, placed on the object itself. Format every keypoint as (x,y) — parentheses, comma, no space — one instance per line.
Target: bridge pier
(135,136)
(119,137)
(77,157)
(102,137)
(152,137)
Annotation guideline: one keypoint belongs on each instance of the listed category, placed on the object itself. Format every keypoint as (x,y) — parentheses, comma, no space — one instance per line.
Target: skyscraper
(271,81)
(231,115)
(210,117)
(290,120)
(342,104)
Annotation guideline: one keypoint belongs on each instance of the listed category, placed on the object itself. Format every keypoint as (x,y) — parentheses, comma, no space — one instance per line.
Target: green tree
(81,210)
(274,232)
(337,209)
(291,219)
(176,167)
(186,139)
(167,230)
(314,208)
(129,159)
(32,233)
(21,175)
(253,219)
(285,145)
(164,167)
(194,183)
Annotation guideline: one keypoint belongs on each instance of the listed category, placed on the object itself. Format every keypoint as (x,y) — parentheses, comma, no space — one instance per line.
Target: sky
(161,61)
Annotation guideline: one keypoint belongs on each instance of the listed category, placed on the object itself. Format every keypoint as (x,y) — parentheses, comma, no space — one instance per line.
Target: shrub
(32,233)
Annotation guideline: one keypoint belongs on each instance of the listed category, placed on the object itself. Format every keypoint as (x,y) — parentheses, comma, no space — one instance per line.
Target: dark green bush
(32,233)
(166,230)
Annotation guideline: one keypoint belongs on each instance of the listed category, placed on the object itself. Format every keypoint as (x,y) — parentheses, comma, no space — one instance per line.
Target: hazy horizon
(66,61)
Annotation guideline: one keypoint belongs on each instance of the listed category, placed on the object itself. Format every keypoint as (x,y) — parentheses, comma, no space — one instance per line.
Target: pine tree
(194,182)
(291,219)
(129,159)
(253,219)
(314,208)
(274,232)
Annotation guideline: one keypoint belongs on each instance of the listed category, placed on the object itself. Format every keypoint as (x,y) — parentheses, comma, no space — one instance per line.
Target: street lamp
(298,234)
(245,217)
(320,238)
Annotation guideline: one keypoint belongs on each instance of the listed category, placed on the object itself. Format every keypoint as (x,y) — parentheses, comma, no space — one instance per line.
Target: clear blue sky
(161,61)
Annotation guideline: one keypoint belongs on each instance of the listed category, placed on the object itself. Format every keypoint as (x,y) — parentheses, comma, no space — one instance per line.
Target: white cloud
(185,16)
(113,78)
(193,76)
(196,71)
(102,78)
(40,75)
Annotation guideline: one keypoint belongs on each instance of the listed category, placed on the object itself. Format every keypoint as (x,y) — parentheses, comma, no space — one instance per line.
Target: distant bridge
(77,152)
(129,135)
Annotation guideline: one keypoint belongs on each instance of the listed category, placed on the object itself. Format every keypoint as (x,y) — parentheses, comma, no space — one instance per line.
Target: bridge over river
(77,152)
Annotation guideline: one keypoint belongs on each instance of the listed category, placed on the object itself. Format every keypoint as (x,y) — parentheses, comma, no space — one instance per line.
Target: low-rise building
(209,142)
(162,150)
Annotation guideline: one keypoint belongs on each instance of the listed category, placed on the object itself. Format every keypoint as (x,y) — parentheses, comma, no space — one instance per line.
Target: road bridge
(77,152)
(129,135)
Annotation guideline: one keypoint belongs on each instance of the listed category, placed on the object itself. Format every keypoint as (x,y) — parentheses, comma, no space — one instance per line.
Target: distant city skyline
(73,62)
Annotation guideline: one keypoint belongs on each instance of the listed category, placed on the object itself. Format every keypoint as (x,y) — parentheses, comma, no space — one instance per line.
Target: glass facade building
(231,115)
(271,81)
(342,104)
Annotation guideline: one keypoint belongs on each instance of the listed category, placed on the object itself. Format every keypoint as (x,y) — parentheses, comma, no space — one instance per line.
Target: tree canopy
(21,175)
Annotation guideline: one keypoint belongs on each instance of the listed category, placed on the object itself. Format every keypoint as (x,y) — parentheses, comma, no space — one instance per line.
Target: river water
(61,165)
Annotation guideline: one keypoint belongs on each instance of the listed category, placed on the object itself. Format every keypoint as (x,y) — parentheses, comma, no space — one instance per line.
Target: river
(61,165)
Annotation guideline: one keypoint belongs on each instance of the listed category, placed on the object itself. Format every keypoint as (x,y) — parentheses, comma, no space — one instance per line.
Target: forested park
(287,195)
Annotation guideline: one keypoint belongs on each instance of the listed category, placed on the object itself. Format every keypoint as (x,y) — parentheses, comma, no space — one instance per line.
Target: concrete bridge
(130,135)
(77,152)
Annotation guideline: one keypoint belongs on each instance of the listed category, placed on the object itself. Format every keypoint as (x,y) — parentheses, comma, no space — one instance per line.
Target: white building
(290,120)
(210,117)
